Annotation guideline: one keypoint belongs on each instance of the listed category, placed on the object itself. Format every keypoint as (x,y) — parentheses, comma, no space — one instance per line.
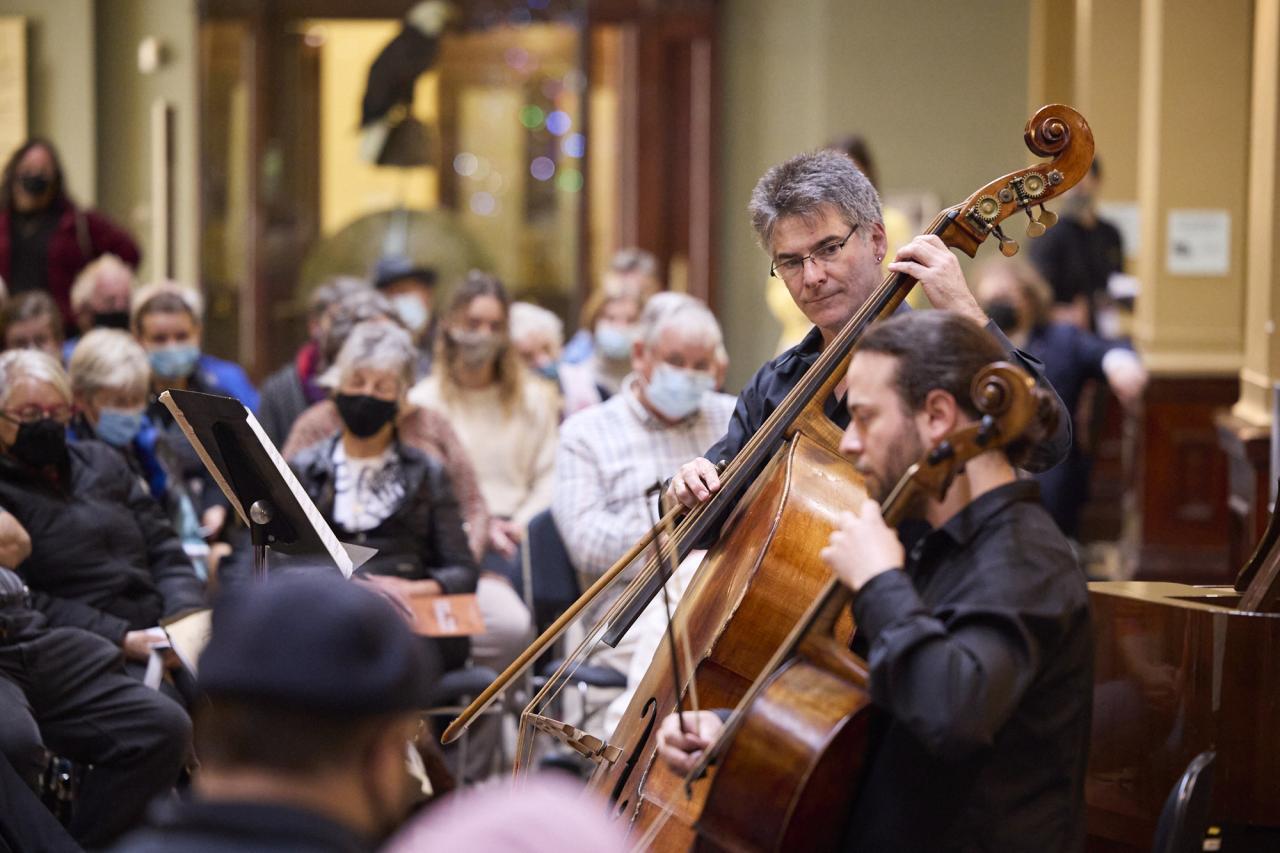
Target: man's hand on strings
(862,547)
(694,483)
(928,260)
(681,750)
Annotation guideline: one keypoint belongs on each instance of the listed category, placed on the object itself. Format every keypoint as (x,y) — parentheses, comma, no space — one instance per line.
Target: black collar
(962,527)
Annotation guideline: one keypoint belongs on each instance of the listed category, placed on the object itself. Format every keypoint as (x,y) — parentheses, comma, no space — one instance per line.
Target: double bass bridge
(585,744)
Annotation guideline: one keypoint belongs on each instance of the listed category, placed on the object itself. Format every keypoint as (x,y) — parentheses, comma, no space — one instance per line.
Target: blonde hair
(31,364)
(87,280)
(109,359)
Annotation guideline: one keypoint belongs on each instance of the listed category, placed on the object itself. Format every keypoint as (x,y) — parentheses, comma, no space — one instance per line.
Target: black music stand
(258,482)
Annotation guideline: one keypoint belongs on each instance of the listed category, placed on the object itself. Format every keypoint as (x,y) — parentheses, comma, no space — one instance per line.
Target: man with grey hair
(610,455)
(819,219)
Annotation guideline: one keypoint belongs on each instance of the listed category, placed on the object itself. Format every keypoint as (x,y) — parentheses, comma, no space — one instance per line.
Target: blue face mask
(412,311)
(119,427)
(550,370)
(614,343)
(677,393)
(174,362)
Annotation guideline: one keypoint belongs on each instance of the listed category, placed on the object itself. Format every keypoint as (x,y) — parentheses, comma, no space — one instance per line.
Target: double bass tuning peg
(1008,246)
(1037,225)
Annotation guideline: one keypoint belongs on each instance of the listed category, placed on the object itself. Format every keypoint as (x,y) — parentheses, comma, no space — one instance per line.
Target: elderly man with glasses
(819,219)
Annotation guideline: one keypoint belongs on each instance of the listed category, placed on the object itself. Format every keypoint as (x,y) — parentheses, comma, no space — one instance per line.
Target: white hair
(669,310)
(87,280)
(529,319)
(109,359)
(377,345)
(21,364)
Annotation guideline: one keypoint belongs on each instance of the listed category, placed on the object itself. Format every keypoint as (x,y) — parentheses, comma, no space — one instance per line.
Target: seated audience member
(64,689)
(631,271)
(167,322)
(537,335)
(613,314)
(31,321)
(100,298)
(289,391)
(104,556)
(412,290)
(1017,298)
(47,238)
(416,426)
(375,490)
(506,422)
(611,455)
(110,376)
(312,687)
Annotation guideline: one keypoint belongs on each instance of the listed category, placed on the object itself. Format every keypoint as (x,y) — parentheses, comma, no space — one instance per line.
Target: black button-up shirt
(980,655)
(772,382)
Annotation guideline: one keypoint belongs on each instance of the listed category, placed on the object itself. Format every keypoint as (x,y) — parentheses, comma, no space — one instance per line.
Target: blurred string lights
(554,144)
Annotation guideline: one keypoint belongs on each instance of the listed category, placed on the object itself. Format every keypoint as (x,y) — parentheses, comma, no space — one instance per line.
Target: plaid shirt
(608,456)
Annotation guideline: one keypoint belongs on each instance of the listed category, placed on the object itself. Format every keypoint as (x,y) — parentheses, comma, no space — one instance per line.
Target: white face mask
(412,311)
(614,342)
(677,393)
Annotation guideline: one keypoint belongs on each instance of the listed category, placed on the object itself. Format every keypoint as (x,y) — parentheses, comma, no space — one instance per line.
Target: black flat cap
(316,643)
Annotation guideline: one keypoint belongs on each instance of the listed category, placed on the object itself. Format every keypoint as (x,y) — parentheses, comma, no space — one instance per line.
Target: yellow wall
(351,187)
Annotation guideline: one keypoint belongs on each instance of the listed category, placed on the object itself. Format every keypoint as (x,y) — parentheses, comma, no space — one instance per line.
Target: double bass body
(750,592)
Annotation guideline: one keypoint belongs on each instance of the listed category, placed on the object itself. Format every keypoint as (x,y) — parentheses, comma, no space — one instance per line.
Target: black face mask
(40,443)
(1003,314)
(111,320)
(365,415)
(36,184)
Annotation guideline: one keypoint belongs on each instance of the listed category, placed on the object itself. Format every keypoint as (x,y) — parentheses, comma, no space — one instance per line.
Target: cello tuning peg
(1008,246)
(1035,228)
(1047,217)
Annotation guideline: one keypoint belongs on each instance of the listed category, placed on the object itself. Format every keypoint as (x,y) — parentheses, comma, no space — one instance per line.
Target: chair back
(551,584)
(1185,816)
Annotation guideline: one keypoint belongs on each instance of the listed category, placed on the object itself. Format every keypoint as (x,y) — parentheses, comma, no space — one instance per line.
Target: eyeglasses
(31,414)
(793,268)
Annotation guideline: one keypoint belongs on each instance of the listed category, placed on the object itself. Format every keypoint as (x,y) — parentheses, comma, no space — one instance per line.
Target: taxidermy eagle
(386,112)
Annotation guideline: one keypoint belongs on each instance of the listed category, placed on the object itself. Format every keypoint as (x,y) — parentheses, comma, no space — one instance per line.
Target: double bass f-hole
(629,766)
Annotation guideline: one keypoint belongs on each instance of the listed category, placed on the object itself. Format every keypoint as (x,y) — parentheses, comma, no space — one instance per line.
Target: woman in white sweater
(505,419)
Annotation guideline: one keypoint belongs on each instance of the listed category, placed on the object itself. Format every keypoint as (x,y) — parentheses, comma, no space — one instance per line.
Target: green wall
(938,88)
(61,96)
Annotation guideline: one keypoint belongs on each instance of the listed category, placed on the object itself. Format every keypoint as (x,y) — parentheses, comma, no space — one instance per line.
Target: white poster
(1199,243)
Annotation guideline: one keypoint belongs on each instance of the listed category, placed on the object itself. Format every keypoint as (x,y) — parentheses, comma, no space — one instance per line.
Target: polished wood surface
(743,603)
(1179,670)
(1182,482)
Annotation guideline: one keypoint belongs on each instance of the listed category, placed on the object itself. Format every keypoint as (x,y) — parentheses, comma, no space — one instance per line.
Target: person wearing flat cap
(311,684)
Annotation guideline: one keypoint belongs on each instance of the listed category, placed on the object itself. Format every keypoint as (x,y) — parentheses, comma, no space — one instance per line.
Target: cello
(804,724)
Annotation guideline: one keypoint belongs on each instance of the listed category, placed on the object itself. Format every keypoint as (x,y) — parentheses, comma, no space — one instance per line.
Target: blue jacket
(216,376)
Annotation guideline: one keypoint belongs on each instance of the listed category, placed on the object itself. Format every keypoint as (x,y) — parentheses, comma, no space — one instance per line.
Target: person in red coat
(45,239)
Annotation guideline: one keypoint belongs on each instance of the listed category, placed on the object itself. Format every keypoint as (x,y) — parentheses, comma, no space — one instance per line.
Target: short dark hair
(943,350)
(238,733)
(30,305)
